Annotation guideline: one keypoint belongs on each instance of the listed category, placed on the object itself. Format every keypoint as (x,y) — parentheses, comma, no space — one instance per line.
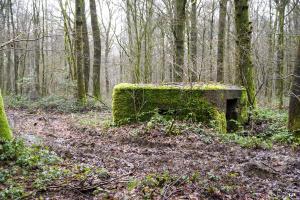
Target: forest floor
(145,162)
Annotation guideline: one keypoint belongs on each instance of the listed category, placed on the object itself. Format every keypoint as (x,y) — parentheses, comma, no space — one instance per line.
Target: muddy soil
(226,170)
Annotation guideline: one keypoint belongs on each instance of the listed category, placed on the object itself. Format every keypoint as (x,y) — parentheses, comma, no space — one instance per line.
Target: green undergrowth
(162,185)
(153,185)
(268,127)
(27,172)
(52,103)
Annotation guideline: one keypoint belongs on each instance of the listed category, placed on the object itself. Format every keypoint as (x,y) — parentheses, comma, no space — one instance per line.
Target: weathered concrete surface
(200,102)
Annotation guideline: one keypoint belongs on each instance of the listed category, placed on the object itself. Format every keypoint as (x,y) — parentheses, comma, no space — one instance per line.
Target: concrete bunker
(221,105)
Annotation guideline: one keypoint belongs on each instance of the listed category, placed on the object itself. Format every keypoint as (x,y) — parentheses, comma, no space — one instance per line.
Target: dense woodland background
(137,43)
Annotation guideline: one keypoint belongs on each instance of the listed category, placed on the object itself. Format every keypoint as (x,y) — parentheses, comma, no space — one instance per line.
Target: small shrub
(37,168)
(12,192)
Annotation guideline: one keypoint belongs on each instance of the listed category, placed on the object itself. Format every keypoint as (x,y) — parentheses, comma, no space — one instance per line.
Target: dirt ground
(226,171)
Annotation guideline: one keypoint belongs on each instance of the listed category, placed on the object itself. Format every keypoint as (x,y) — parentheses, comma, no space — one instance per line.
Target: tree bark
(244,51)
(294,108)
(81,95)
(281,5)
(86,51)
(36,72)
(221,41)
(194,41)
(212,22)
(179,28)
(97,50)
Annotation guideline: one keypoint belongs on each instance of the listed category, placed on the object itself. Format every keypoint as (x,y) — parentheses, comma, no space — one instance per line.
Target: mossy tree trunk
(294,109)
(244,51)
(221,40)
(79,52)
(97,50)
(179,28)
(86,51)
(5,132)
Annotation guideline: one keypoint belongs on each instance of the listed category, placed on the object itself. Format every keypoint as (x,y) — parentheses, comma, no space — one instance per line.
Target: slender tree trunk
(163,55)
(86,50)
(8,54)
(281,5)
(228,57)
(68,42)
(1,69)
(269,74)
(179,28)
(15,53)
(221,40)
(97,50)
(294,108)
(244,52)
(194,42)
(212,22)
(36,72)
(81,95)
(203,50)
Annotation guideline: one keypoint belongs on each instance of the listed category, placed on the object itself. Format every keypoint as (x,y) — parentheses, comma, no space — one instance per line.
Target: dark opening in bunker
(232,114)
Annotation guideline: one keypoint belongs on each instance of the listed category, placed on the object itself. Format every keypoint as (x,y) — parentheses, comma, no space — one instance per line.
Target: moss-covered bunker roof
(185,86)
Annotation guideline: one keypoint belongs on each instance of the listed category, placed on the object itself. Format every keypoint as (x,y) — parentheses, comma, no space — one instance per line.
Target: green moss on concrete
(133,103)
(221,122)
(5,132)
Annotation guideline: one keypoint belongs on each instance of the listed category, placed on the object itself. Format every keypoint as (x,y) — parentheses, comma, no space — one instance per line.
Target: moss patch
(5,132)
(133,103)
(243,108)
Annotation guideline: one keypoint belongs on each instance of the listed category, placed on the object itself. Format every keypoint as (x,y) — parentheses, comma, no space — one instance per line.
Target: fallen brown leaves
(226,171)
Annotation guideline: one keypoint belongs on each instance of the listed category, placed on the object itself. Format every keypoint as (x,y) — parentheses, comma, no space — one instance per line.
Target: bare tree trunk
(203,50)
(269,74)
(8,53)
(179,28)
(294,108)
(97,50)
(194,41)
(212,22)
(163,55)
(86,51)
(36,75)
(15,53)
(281,5)
(79,51)
(148,30)
(221,41)
(228,57)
